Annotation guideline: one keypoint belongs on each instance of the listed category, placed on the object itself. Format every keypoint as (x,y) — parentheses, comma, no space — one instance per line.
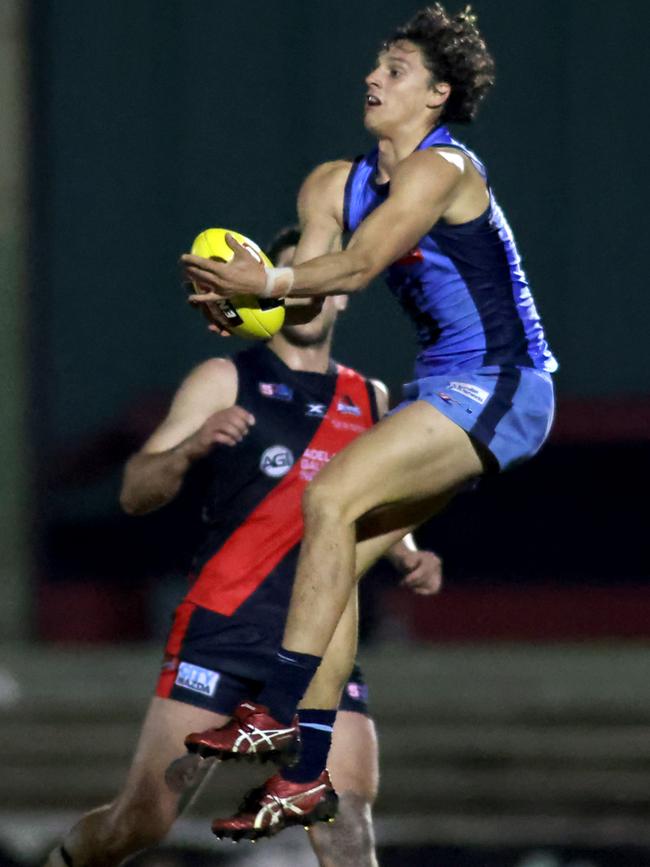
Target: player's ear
(438,94)
(340,302)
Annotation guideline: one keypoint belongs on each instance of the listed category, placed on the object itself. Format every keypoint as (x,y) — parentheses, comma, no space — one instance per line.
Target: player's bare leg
(412,459)
(353,765)
(353,758)
(328,682)
(145,810)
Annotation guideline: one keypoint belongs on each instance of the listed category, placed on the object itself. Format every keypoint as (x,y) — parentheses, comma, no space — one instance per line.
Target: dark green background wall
(156,118)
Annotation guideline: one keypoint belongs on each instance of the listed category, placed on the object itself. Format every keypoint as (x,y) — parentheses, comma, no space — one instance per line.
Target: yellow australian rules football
(245,315)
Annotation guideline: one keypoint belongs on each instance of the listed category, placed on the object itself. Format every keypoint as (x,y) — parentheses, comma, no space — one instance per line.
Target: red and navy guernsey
(233,616)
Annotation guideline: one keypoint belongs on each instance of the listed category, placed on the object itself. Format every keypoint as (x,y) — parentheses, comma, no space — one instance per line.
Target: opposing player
(255,429)
(420,207)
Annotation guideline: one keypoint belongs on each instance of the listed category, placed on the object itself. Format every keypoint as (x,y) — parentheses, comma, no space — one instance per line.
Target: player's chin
(371,122)
(304,335)
(368,121)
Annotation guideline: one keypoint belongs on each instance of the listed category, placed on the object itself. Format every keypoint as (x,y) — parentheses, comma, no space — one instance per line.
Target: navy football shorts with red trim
(196,671)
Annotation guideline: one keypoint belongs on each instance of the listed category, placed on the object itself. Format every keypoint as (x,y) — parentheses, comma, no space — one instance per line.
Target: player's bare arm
(320,216)
(424,188)
(320,211)
(203,414)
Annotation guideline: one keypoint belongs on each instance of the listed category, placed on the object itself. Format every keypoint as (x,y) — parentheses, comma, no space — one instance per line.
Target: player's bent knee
(320,499)
(323,502)
(348,841)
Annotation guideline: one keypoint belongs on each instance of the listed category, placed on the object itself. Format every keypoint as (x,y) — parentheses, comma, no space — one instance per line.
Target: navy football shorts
(221,692)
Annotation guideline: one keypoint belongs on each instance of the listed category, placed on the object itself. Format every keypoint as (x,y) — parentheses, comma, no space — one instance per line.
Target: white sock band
(279,282)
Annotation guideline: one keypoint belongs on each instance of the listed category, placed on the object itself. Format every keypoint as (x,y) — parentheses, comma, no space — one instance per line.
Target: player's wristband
(279,282)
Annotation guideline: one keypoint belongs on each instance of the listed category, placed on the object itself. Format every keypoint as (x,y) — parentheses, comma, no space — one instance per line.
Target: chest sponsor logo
(197,679)
(276,390)
(347,406)
(474,392)
(276,461)
(352,426)
(316,410)
(312,461)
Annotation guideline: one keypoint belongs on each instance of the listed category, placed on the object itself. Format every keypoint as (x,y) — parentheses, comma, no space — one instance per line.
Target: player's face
(400,91)
(317,330)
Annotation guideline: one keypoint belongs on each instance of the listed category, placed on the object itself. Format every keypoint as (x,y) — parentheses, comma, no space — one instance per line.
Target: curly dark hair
(454,51)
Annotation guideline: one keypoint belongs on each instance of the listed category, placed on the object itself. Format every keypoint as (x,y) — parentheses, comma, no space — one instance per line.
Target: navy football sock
(287,683)
(316,738)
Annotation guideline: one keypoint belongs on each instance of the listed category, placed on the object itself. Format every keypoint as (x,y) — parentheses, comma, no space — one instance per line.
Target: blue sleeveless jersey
(462,285)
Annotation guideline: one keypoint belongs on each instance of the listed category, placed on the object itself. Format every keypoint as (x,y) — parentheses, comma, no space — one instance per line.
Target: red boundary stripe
(275,526)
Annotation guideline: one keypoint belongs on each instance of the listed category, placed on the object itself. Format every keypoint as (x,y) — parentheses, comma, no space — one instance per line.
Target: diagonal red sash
(275,526)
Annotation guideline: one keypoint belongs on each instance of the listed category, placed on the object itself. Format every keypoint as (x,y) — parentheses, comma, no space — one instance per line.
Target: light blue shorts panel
(507,409)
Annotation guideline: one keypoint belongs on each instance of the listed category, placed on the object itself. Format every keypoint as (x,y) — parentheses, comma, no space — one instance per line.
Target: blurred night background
(128,127)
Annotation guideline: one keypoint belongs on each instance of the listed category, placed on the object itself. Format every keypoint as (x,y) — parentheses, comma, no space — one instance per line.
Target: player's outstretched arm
(422,189)
(203,414)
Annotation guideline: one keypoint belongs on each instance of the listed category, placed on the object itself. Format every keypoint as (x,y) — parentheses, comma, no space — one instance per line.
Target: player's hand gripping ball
(243,315)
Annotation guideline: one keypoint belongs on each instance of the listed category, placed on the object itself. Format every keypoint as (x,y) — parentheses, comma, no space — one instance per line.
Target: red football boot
(252,734)
(279,804)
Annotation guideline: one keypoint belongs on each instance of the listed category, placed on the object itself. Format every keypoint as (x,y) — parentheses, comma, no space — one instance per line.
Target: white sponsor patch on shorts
(198,679)
(474,392)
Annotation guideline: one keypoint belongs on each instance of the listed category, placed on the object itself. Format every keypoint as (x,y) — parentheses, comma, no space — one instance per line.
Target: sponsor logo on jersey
(316,410)
(276,461)
(312,461)
(474,392)
(277,390)
(348,406)
(197,679)
(352,426)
